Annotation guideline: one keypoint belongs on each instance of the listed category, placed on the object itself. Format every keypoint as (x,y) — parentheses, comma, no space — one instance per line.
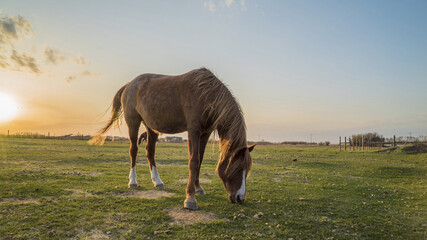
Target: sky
(301,70)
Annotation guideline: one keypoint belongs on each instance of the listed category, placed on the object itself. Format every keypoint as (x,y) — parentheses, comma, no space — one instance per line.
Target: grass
(324,194)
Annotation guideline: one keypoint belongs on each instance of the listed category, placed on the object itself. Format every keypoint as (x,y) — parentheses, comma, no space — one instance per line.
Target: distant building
(173,139)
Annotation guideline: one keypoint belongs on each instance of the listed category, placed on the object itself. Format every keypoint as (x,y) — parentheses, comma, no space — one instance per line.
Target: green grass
(325,194)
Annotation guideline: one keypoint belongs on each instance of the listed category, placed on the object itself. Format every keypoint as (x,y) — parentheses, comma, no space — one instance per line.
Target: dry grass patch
(79,193)
(148,194)
(94,234)
(277,179)
(17,201)
(181,216)
(118,217)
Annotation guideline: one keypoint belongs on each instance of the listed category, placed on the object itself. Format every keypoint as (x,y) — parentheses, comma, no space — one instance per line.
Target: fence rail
(361,145)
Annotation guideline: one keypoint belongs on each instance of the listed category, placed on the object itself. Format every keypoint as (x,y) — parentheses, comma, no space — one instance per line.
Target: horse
(196,102)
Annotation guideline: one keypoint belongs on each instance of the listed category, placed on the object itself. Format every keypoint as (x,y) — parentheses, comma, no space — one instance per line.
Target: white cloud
(228,3)
(12,27)
(25,60)
(243,5)
(52,56)
(85,73)
(3,61)
(80,60)
(17,28)
(210,5)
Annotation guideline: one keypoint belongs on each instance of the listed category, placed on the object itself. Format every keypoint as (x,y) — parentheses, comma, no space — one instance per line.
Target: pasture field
(66,189)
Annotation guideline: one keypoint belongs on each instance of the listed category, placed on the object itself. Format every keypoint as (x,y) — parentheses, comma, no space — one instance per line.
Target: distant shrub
(324,143)
(296,143)
(367,138)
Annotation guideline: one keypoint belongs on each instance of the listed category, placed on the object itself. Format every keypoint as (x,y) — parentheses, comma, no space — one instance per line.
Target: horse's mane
(224,114)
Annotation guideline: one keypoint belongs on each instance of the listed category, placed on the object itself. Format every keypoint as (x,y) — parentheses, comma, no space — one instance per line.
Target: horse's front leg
(203,141)
(194,165)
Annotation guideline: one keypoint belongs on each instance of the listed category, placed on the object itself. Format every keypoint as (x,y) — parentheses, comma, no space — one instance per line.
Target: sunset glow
(8,107)
(301,70)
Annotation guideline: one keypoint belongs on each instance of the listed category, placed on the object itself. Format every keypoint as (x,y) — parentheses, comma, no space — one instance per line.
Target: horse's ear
(238,152)
(243,149)
(251,147)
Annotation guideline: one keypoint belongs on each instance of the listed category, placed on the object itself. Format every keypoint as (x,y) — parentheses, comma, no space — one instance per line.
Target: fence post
(394,140)
(345,143)
(340,143)
(357,144)
(363,143)
(354,144)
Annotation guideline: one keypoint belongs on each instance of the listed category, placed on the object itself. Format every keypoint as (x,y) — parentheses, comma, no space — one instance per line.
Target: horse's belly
(163,126)
(164,119)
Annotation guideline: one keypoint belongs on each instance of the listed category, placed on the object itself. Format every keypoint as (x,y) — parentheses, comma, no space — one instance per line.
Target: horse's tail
(116,115)
(116,111)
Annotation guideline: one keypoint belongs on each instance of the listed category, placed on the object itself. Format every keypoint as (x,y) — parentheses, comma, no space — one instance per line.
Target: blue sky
(326,68)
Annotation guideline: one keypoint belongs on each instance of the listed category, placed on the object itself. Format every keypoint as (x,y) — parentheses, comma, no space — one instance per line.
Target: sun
(8,107)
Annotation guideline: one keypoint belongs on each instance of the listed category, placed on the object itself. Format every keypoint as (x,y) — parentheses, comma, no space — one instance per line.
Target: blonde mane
(223,114)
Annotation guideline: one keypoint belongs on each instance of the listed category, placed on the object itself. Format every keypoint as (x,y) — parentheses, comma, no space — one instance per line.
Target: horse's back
(163,102)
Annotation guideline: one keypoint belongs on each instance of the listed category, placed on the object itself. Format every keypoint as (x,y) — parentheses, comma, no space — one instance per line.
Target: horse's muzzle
(236,199)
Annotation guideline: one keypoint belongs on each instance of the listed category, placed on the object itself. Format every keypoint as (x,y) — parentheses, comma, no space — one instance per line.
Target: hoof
(190,205)
(160,186)
(201,192)
(133,186)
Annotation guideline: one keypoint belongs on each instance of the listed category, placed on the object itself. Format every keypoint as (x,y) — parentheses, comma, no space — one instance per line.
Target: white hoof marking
(132,177)
(155,177)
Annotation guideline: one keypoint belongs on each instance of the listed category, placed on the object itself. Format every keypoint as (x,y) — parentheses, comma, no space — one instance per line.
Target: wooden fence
(361,145)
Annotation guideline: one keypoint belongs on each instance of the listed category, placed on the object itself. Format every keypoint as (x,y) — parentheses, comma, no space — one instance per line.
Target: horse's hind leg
(203,141)
(133,136)
(150,149)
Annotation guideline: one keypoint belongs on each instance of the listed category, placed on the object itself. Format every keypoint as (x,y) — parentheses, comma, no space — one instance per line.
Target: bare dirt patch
(94,234)
(79,193)
(17,201)
(201,180)
(148,194)
(277,179)
(181,216)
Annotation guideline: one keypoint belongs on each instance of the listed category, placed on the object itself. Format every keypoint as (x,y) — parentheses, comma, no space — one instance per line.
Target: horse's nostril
(231,199)
(239,200)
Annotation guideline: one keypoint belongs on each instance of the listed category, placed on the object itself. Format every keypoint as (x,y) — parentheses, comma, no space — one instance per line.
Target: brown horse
(196,102)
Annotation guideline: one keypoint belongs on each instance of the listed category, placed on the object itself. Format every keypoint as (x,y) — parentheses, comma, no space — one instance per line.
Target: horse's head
(233,172)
